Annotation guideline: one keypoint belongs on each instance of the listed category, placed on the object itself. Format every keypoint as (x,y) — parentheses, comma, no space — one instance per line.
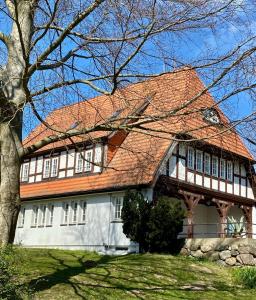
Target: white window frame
(75,212)
(54,166)
(66,213)
(222,168)
(35,216)
(50,214)
(79,162)
(43,215)
(46,174)
(191,158)
(88,160)
(207,162)
(229,170)
(216,167)
(21,220)
(199,161)
(83,212)
(25,172)
(117,202)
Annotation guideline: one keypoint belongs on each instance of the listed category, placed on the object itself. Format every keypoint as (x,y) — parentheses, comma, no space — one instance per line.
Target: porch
(209,213)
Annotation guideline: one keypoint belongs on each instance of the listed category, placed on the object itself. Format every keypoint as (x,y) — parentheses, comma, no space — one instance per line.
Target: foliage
(246,276)
(135,216)
(154,227)
(10,287)
(236,228)
(166,222)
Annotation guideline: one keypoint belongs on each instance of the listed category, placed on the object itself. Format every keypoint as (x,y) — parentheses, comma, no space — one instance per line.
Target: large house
(72,190)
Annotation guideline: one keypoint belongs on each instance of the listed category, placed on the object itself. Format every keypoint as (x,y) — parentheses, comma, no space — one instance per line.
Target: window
(207,164)
(199,161)
(83,211)
(21,220)
(222,169)
(54,169)
(66,213)
(47,165)
(118,204)
(79,162)
(88,160)
(215,166)
(229,171)
(35,215)
(211,115)
(43,215)
(75,210)
(50,214)
(24,175)
(191,158)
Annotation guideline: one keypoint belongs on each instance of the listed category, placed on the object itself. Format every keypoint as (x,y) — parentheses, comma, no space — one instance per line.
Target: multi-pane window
(21,220)
(43,214)
(215,166)
(222,169)
(54,168)
(118,204)
(79,163)
(47,167)
(229,171)
(66,213)
(35,215)
(191,157)
(83,211)
(88,161)
(199,161)
(207,164)
(75,211)
(50,214)
(25,170)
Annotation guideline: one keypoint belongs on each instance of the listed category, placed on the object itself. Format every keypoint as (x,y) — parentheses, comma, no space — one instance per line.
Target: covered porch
(209,213)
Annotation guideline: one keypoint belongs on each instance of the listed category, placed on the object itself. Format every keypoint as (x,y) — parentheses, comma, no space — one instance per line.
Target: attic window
(211,115)
(75,124)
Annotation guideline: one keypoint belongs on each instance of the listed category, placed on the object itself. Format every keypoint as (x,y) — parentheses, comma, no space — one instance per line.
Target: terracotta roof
(138,157)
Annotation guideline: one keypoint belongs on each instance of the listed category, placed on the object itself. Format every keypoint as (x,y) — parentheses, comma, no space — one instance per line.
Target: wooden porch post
(191,200)
(247,210)
(222,208)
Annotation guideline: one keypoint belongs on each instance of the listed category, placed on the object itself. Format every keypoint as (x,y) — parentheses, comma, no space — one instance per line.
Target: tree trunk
(10,180)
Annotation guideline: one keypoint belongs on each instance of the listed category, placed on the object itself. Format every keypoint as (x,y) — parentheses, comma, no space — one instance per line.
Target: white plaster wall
(97,158)
(181,169)
(98,231)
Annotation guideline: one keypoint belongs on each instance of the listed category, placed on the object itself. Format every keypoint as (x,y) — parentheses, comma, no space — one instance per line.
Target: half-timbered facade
(72,191)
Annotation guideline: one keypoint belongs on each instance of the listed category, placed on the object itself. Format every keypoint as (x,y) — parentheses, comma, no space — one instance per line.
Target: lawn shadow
(115,276)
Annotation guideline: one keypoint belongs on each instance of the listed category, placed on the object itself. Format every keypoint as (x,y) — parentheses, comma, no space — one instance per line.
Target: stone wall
(227,251)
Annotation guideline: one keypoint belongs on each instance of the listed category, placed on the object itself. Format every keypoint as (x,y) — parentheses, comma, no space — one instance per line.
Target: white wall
(99,230)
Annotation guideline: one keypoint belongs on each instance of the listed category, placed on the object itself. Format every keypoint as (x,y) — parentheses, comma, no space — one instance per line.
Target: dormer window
(211,115)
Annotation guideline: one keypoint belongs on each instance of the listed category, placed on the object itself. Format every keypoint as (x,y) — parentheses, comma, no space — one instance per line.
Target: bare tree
(54,52)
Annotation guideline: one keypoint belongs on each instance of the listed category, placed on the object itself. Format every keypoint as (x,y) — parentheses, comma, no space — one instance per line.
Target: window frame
(54,172)
(88,161)
(25,166)
(21,219)
(201,161)
(215,158)
(117,214)
(47,175)
(35,216)
(191,159)
(229,162)
(79,158)
(222,174)
(207,164)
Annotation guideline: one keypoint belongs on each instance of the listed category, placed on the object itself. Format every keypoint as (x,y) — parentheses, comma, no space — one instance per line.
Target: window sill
(48,225)
(33,226)
(117,221)
(63,224)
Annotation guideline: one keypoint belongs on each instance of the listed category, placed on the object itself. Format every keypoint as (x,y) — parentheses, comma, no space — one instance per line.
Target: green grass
(57,274)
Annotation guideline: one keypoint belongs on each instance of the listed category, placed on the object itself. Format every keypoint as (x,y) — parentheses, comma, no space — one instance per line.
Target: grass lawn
(58,274)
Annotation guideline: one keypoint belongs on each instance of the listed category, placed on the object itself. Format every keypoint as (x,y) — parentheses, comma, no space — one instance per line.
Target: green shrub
(10,285)
(135,216)
(165,223)
(246,276)
(154,227)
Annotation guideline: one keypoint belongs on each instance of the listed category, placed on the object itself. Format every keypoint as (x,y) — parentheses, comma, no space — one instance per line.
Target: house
(72,190)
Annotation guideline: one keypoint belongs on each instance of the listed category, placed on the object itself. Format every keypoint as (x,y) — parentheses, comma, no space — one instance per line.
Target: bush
(246,276)
(154,227)
(135,216)
(165,223)
(10,287)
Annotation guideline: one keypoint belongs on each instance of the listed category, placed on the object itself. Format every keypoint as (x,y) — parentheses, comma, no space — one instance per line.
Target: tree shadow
(117,273)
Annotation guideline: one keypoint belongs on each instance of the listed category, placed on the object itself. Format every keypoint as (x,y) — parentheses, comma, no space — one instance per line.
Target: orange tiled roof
(137,159)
